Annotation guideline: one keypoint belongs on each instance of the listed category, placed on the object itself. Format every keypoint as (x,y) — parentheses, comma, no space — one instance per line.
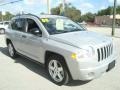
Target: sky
(39,6)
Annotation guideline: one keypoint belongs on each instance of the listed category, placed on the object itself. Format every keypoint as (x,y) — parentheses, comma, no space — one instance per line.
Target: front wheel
(57,71)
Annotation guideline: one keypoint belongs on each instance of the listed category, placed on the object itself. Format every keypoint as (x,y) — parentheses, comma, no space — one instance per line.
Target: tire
(57,70)
(11,50)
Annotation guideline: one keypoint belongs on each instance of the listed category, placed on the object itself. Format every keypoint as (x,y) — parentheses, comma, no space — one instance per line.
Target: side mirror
(36,32)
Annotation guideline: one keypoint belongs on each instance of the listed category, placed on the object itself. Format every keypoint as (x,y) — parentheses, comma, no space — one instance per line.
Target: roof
(41,16)
(51,16)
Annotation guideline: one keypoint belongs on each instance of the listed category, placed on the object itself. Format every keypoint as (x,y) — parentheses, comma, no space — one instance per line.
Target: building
(107,20)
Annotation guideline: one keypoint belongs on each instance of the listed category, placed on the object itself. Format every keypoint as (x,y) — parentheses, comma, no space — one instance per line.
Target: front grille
(104,52)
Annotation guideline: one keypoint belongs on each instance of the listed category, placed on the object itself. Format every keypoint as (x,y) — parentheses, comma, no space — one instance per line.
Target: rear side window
(18,25)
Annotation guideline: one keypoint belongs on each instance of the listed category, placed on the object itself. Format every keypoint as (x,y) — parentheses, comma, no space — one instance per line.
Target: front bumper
(90,70)
(92,73)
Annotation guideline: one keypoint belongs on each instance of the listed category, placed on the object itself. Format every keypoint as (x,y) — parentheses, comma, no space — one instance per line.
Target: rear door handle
(24,36)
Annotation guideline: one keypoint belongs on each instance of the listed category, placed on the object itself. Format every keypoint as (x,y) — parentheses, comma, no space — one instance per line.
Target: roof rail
(27,14)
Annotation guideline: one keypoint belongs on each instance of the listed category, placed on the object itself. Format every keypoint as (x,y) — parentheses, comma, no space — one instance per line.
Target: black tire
(10,46)
(60,60)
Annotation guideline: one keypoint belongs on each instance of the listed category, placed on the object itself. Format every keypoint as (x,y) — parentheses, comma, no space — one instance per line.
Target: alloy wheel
(56,70)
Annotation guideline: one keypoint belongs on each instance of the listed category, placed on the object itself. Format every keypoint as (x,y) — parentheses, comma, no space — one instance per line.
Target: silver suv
(66,49)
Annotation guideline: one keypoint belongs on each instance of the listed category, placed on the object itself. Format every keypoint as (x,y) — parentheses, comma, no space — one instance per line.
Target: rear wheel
(2,31)
(57,71)
(11,50)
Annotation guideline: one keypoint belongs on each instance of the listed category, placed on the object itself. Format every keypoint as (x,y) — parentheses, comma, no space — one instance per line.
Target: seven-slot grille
(104,52)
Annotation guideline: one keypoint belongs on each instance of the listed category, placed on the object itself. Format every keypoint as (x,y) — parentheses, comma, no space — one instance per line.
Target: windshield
(60,25)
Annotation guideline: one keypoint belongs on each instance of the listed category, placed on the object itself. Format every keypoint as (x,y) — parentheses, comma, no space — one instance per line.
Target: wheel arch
(2,28)
(49,53)
(8,41)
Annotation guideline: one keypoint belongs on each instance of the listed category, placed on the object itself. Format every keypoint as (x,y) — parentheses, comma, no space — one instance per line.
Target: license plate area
(111,66)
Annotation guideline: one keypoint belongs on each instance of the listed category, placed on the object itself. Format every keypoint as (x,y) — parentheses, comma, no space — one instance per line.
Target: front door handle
(24,36)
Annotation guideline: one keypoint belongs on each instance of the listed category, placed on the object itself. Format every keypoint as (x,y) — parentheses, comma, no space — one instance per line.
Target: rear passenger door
(18,27)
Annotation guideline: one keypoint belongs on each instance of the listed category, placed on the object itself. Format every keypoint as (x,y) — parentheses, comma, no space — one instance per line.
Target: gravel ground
(22,74)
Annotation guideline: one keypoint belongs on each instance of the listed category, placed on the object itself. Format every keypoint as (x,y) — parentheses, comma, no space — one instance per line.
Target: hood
(81,38)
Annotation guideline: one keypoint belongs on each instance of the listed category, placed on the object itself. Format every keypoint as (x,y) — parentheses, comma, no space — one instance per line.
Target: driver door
(33,46)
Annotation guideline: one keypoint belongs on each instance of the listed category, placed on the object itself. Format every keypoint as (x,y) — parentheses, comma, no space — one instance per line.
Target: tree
(55,11)
(108,11)
(88,17)
(70,12)
(73,13)
(118,10)
(6,17)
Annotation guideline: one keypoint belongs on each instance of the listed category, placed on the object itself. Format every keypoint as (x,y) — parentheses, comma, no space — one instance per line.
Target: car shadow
(77,83)
(36,68)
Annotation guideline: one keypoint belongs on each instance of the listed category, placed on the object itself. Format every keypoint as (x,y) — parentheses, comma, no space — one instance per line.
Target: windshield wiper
(77,30)
(64,31)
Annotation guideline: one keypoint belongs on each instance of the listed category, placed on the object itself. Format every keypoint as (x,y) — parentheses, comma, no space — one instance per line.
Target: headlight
(83,53)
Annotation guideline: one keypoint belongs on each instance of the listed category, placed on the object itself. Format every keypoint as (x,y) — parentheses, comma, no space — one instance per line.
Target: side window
(18,25)
(33,28)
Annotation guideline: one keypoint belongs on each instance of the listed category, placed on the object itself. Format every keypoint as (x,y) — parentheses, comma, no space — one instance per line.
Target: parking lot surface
(23,74)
